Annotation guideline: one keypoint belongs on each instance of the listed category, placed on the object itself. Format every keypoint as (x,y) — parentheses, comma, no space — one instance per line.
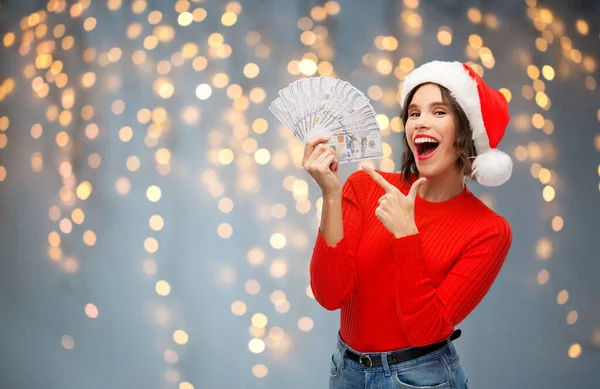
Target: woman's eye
(413,114)
(440,112)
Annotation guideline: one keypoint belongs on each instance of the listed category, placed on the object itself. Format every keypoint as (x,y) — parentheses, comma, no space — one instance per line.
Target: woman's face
(430,132)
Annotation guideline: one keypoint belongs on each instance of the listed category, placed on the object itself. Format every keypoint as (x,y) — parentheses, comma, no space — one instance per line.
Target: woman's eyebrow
(436,103)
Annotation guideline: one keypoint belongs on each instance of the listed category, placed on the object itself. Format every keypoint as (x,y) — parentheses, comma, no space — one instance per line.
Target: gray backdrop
(519,337)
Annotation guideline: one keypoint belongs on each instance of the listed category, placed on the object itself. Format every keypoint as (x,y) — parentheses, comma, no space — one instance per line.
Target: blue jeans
(439,369)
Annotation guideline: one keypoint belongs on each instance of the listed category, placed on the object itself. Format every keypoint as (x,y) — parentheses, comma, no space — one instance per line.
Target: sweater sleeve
(428,315)
(333,269)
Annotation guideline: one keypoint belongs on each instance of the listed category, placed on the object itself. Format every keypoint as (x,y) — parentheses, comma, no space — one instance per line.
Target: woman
(407,256)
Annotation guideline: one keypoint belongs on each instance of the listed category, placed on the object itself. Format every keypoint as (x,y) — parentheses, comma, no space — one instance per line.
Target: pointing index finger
(389,188)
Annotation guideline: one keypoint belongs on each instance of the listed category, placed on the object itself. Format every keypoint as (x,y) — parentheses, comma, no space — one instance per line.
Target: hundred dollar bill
(357,145)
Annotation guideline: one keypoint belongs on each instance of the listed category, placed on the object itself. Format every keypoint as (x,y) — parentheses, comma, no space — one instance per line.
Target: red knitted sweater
(412,291)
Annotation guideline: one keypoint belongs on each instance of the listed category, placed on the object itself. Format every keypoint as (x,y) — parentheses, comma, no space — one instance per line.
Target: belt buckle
(363,358)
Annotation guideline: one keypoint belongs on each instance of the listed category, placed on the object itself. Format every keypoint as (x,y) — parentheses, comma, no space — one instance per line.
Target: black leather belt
(371,360)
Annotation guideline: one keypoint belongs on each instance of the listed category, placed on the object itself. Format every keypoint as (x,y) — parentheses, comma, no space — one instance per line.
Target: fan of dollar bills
(326,106)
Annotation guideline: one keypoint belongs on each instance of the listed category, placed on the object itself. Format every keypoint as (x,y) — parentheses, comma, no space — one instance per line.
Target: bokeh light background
(156,226)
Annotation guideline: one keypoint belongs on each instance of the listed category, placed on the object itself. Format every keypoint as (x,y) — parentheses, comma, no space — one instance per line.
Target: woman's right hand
(321,163)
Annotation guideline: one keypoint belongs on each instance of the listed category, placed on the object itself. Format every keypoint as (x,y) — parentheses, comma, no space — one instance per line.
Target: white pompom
(492,168)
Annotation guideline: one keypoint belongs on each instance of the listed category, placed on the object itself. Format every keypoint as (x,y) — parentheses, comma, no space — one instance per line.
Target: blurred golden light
(475,41)
(548,193)
(572,317)
(294,67)
(225,205)
(251,70)
(305,324)
(474,15)
(203,91)
(199,63)
(149,267)
(118,107)
(544,176)
(180,337)
(557,223)
(304,23)
(262,156)
(54,213)
(308,67)
(151,245)
(225,230)
(228,19)
(156,222)
(84,190)
(67,342)
(256,257)
(150,42)
(260,371)
(444,35)
(384,66)
(138,6)
(89,238)
(332,7)
(225,156)
(132,163)
(67,43)
(259,320)
(544,249)
(543,277)
(153,193)
(163,288)
(8,39)
(238,308)
(54,239)
(590,83)
(582,27)
(77,216)
(278,268)
(318,13)
(185,19)
(171,356)
(220,80)
(215,40)
(256,346)
(234,91)
(282,306)
(575,351)
(199,14)
(125,134)
(562,297)
(66,226)
(91,311)
(257,95)
(252,287)
(383,121)
(163,156)
(123,185)
(325,68)
(277,241)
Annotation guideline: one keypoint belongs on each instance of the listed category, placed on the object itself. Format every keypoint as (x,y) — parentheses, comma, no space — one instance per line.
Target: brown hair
(463,141)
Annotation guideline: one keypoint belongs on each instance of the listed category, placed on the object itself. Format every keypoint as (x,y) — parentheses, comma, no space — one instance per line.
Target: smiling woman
(407,257)
(443,109)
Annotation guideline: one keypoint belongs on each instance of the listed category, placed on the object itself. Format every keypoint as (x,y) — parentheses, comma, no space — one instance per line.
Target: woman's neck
(442,187)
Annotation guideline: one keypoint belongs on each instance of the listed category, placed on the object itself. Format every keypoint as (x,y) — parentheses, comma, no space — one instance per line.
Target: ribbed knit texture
(412,291)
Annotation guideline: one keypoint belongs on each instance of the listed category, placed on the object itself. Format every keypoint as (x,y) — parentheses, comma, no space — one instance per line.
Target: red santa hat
(486,109)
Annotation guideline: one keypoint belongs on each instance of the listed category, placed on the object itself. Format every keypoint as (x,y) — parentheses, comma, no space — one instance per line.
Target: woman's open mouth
(425,147)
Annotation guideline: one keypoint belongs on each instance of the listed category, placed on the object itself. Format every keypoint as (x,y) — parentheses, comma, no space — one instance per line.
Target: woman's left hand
(396,211)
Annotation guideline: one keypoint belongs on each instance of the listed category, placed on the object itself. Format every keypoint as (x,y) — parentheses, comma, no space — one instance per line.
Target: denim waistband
(448,350)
